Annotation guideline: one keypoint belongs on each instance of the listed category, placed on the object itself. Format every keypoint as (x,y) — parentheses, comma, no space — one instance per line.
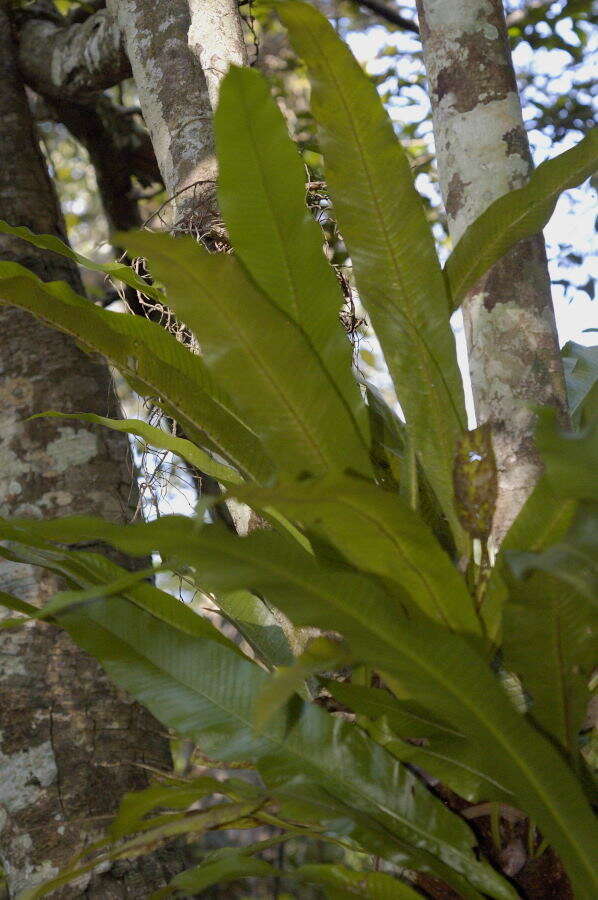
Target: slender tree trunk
(167,44)
(482,153)
(70,743)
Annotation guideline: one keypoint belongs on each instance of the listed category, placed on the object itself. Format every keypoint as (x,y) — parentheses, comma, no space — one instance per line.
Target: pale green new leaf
(259,354)
(261,193)
(162,440)
(153,361)
(382,220)
(517,215)
(122,272)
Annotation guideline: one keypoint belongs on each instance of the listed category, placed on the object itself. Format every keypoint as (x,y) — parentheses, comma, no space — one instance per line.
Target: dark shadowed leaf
(550,642)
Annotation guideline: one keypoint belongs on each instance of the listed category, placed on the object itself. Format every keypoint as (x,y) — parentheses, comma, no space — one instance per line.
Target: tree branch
(388,14)
(71,61)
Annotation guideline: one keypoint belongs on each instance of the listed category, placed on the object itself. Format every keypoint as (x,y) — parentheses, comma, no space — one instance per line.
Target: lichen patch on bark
(25,774)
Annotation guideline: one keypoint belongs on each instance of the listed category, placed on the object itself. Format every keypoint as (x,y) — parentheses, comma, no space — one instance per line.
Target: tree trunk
(70,744)
(482,153)
(176,96)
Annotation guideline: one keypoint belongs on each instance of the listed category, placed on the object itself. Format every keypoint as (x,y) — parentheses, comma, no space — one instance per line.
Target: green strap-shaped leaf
(63,600)
(569,456)
(517,215)
(549,642)
(392,723)
(162,440)
(342,883)
(203,691)
(383,223)
(377,532)
(570,477)
(261,192)
(439,670)
(193,687)
(15,604)
(321,654)
(122,272)
(196,824)
(96,574)
(573,558)
(216,872)
(259,353)
(153,361)
(136,806)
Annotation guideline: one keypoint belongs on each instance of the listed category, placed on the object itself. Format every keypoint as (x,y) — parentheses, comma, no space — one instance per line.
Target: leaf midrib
(282,747)
(477,713)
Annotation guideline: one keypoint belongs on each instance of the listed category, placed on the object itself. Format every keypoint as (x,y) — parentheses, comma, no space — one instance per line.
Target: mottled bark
(175,103)
(483,152)
(216,39)
(70,744)
(75,61)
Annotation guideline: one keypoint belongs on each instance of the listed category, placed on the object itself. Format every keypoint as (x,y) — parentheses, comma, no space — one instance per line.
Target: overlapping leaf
(342,883)
(204,691)
(517,215)
(549,642)
(162,440)
(377,532)
(412,735)
(259,353)
(382,221)
(581,376)
(154,362)
(122,272)
(90,571)
(259,625)
(438,670)
(261,192)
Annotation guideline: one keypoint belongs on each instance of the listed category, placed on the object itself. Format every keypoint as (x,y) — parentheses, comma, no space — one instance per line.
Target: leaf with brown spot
(475,481)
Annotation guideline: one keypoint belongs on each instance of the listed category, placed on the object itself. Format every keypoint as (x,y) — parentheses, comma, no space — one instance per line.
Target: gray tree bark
(482,153)
(71,62)
(166,45)
(70,744)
